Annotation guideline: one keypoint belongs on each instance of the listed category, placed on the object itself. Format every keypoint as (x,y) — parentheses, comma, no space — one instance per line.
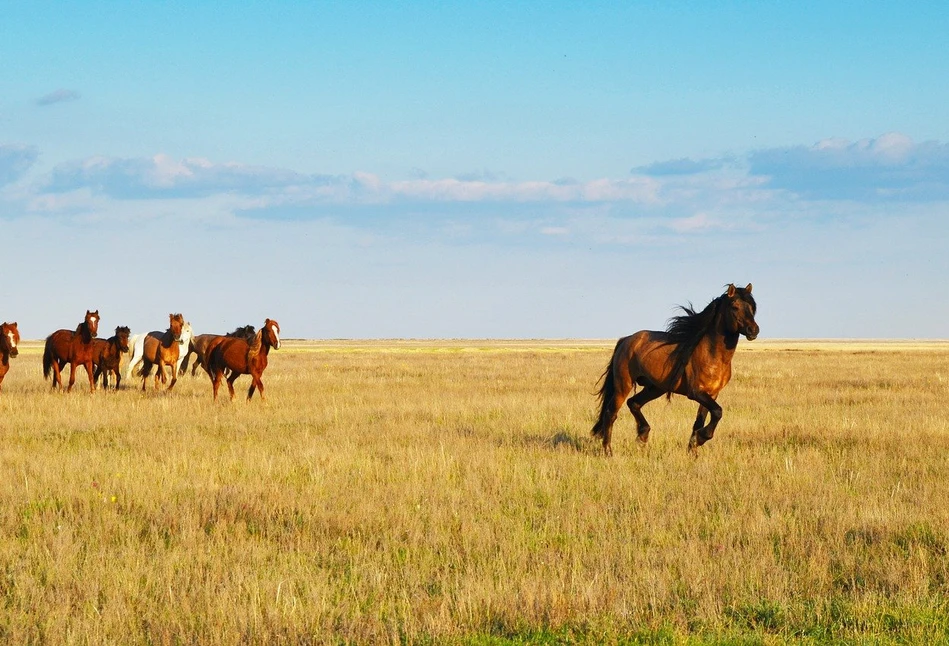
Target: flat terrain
(449,492)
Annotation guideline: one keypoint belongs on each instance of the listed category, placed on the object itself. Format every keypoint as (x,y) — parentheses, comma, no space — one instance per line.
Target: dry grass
(449,492)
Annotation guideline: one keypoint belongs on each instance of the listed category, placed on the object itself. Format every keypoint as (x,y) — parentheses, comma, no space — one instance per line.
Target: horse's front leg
(91,371)
(174,376)
(703,433)
(256,383)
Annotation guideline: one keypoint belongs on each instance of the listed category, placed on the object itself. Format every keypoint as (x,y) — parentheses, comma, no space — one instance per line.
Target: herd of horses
(691,357)
(242,352)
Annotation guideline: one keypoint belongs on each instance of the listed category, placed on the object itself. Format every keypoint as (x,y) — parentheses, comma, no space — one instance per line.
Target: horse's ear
(748,288)
(731,290)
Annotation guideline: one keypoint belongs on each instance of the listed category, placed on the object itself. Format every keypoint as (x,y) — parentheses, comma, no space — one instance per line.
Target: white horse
(137,350)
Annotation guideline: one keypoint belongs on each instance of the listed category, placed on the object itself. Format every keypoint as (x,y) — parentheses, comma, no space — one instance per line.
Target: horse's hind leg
(636,403)
(230,382)
(72,376)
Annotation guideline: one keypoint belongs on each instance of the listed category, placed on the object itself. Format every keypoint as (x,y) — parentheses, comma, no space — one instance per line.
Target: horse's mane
(255,346)
(245,332)
(83,330)
(688,329)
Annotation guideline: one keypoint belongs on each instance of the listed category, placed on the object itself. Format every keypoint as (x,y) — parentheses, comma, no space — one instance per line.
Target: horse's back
(645,355)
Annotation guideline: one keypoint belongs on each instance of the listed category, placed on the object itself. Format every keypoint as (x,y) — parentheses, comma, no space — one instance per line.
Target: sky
(474,170)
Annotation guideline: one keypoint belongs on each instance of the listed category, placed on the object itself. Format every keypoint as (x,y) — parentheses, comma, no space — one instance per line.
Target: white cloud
(889,167)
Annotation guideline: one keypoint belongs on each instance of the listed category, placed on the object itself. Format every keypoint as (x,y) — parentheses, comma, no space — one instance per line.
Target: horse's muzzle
(751,333)
(14,352)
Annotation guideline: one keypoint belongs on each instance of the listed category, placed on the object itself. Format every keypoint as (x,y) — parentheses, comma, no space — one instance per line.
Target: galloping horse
(693,357)
(9,338)
(161,349)
(203,343)
(243,358)
(107,354)
(63,346)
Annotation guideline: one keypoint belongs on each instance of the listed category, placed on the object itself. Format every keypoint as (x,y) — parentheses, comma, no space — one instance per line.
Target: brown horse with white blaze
(9,340)
(161,349)
(243,358)
(693,357)
(74,348)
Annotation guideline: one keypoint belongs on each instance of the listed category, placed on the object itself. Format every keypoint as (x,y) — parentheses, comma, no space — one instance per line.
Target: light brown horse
(243,358)
(161,349)
(9,340)
(107,354)
(74,348)
(693,357)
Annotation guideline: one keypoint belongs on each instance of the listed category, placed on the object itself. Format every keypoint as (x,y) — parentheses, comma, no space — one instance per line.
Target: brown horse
(74,348)
(201,345)
(693,357)
(107,354)
(243,358)
(161,349)
(9,339)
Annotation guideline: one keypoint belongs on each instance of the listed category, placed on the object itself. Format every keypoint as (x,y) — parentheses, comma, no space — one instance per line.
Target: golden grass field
(449,492)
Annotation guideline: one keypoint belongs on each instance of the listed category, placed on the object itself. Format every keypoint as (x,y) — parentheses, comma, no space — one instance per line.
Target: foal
(106,355)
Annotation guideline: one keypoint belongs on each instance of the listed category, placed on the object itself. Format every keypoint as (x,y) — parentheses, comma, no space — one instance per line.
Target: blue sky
(474,169)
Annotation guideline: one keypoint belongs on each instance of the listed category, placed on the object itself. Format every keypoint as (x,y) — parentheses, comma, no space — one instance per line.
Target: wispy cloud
(889,167)
(15,161)
(61,95)
(162,176)
(682,166)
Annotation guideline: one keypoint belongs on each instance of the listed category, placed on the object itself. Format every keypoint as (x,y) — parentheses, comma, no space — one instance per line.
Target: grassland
(415,492)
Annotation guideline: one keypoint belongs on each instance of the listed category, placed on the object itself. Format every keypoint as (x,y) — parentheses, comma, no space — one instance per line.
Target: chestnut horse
(203,343)
(163,349)
(9,339)
(693,357)
(243,358)
(107,353)
(74,348)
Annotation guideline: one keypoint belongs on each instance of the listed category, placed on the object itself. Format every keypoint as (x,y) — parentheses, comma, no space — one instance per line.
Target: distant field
(449,492)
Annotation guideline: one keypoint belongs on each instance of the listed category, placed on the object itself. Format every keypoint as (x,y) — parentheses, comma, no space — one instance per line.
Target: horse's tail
(48,357)
(607,395)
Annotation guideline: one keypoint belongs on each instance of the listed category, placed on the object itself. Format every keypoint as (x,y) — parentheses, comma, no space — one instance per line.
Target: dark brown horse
(201,345)
(161,349)
(107,354)
(74,348)
(9,340)
(693,357)
(243,358)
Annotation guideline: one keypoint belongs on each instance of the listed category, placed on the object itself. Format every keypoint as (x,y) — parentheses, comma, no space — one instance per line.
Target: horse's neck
(722,344)
(83,332)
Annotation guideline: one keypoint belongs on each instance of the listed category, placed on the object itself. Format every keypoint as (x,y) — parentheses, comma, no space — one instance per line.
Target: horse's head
(92,322)
(10,338)
(186,335)
(175,324)
(122,336)
(739,312)
(271,333)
